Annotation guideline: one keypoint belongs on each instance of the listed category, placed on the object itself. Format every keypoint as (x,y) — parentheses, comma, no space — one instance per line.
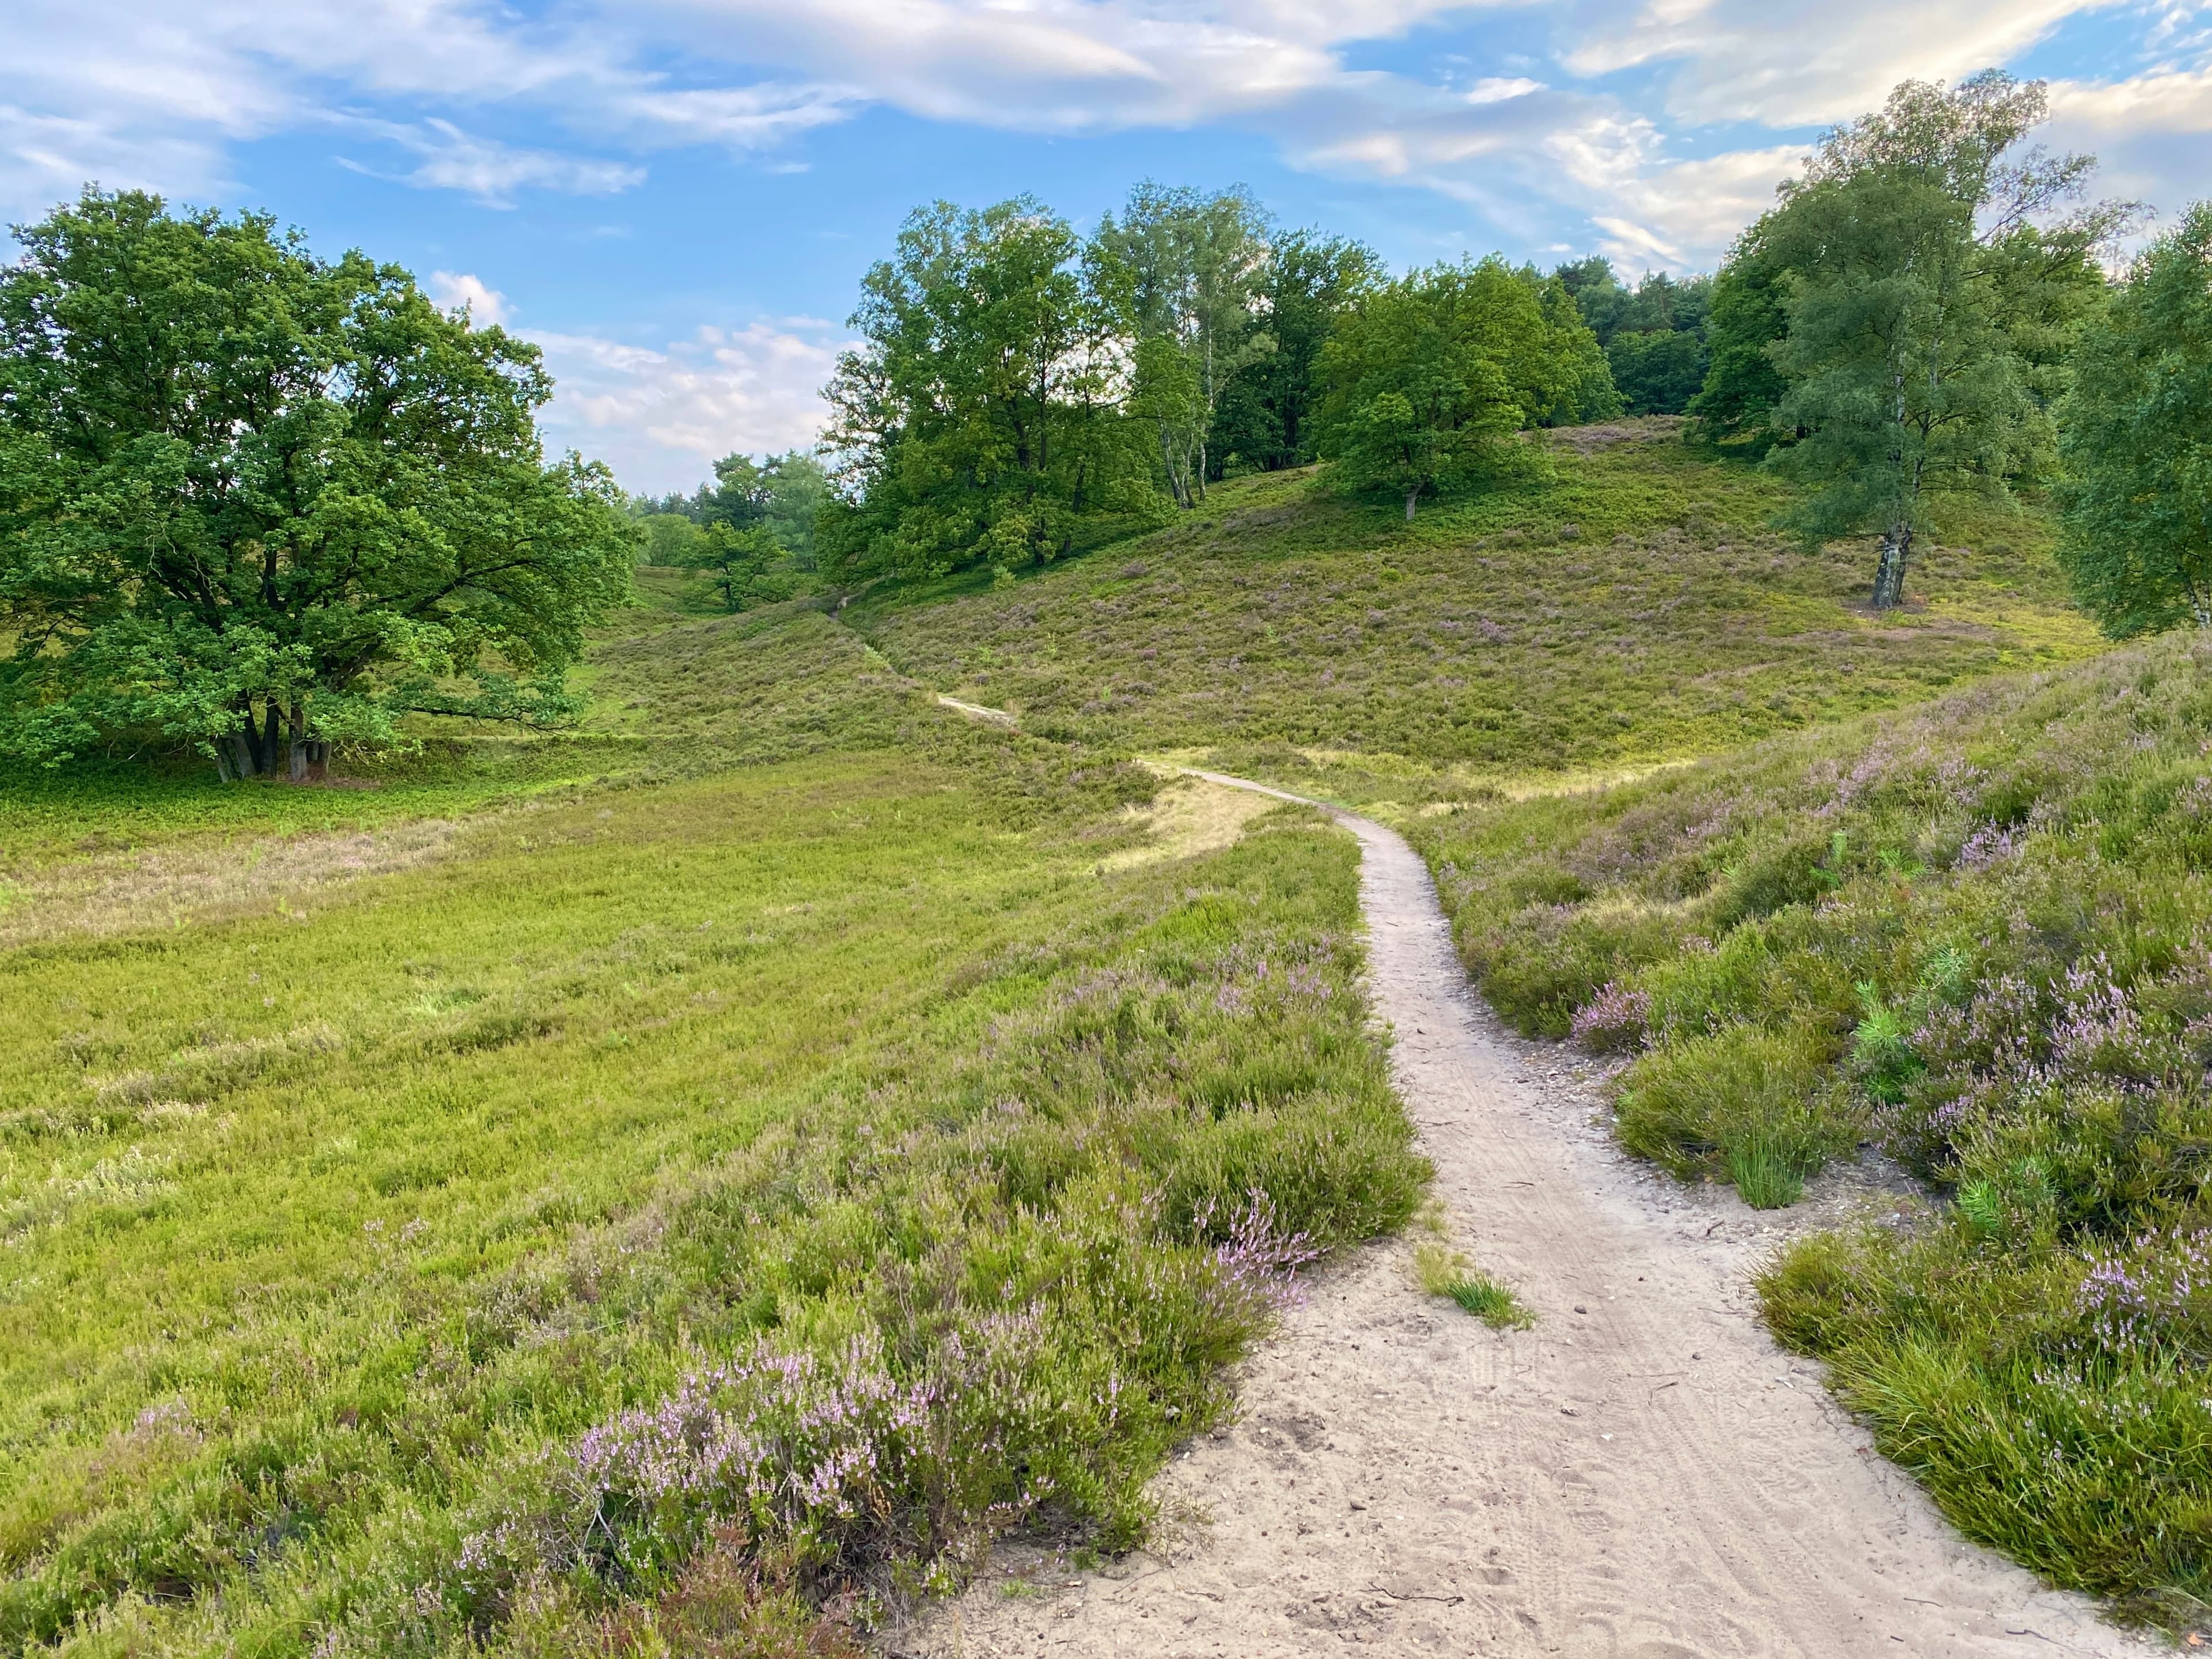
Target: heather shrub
(1546,962)
(1979,933)
(1614,1022)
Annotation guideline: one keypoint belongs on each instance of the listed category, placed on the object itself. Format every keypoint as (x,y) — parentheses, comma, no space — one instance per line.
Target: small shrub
(1614,1022)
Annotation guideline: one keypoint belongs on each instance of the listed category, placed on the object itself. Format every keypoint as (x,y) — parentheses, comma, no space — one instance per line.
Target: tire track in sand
(1643,1475)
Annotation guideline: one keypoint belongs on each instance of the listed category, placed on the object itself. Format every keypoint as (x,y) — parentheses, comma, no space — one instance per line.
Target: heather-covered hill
(1633,606)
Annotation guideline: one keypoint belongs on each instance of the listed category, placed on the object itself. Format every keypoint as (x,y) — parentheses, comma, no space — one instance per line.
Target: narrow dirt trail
(1643,1475)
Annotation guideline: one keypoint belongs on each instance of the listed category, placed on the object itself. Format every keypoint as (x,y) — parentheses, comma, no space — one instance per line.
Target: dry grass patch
(1191,816)
(207,881)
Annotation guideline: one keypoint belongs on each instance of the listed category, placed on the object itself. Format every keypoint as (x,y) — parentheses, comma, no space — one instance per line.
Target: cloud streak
(1650,128)
(133,90)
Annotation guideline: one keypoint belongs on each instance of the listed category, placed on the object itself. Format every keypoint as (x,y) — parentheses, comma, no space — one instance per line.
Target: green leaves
(1900,373)
(250,494)
(1900,322)
(979,419)
(1429,376)
(2138,460)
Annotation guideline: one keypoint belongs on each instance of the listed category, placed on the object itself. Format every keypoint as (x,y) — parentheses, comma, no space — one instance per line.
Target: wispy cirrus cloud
(485,169)
(1589,127)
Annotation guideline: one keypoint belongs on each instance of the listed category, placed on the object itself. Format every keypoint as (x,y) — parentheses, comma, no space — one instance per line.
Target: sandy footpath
(1643,1475)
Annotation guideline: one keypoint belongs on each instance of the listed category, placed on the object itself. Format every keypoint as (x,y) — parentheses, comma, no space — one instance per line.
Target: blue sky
(676,198)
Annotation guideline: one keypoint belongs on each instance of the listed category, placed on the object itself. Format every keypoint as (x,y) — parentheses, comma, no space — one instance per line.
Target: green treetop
(256,501)
(1189,271)
(1921,290)
(979,420)
(2137,443)
(1429,376)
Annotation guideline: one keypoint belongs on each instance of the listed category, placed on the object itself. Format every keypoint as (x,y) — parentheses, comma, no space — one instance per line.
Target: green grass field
(334,1227)
(708,1171)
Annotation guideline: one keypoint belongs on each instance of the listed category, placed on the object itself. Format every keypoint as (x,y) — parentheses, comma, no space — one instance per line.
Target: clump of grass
(1741,1102)
(1442,1271)
(1489,1301)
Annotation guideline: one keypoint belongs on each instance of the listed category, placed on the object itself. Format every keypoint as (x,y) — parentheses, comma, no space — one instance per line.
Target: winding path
(1643,1475)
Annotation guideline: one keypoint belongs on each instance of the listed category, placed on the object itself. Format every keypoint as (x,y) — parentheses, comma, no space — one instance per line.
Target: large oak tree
(254,501)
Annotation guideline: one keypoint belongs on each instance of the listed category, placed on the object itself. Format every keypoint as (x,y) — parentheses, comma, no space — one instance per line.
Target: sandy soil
(1643,1475)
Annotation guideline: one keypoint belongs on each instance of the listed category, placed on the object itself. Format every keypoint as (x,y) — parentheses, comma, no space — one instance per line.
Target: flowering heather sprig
(831,1457)
(1987,845)
(2100,1033)
(1869,769)
(2156,1293)
(1614,1021)
(1259,1260)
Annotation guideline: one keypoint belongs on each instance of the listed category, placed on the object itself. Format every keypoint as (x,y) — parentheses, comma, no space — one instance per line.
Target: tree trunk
(1889,573)
(272,736)
(1167,459)
(241,751)
(223,771)
(1411,497)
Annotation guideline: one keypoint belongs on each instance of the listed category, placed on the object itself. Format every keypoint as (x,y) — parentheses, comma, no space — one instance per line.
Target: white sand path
(1644,1475)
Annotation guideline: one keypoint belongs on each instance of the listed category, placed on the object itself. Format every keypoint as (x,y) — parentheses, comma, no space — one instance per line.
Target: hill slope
(1632,608)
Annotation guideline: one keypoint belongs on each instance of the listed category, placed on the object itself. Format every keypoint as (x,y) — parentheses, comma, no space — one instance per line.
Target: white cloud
(488,170)
(1583,128)
(466,291)
(1679,214)
(2152,134)
(660,416)
(1496,89)
(1796,63)
(752,118)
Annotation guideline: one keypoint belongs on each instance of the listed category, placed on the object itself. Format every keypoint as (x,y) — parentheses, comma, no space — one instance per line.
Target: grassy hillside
(642,1196)
(1980,936)
(1633,608)
(719,1164)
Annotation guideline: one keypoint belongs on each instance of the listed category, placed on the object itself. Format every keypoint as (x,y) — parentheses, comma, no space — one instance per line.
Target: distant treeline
(1022,390)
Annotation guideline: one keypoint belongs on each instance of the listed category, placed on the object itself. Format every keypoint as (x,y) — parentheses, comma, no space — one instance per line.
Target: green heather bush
(1979,933)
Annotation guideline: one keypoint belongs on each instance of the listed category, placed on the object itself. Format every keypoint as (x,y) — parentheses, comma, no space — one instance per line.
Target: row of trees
(257,501)
(1021,389)
(1901,329)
